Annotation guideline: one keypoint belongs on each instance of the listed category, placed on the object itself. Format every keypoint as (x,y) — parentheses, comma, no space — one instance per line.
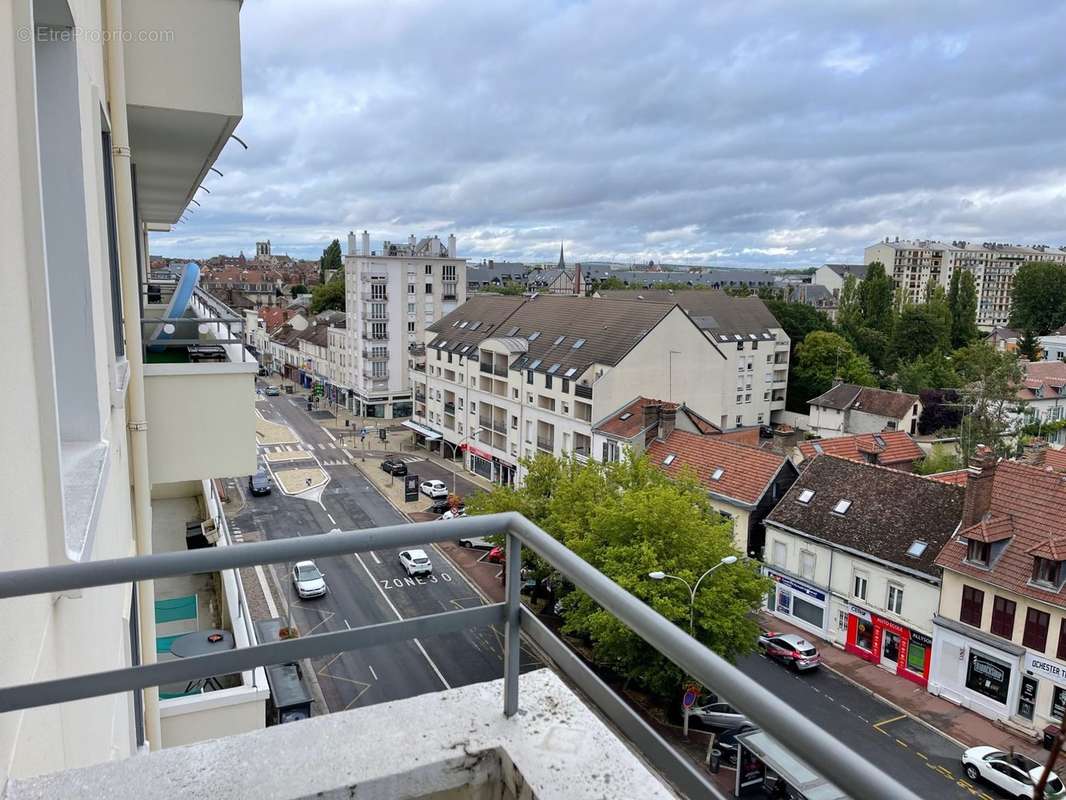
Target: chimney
(651,418)
(577,280)
(366,243)
(1033,453)
(452,252)
(351,243)
(411,240)
(978,497)
(667,419)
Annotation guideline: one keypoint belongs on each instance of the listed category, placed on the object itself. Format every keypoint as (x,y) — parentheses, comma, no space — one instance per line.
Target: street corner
(301,482)
(285,456)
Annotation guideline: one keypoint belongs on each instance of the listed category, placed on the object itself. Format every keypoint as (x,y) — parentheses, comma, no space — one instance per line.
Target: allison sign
(1042,667)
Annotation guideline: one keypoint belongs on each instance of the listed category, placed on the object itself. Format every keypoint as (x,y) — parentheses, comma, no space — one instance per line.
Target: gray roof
(843,270)
(712,278)
(881,402)
(890,510)
(603,330)
(713,311)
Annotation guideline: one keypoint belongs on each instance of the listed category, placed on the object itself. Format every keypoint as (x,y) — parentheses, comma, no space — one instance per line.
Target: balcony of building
(375,312)
(193,358)
(449,291)
(376,334)
(188,516)
(583,390)
(534,735)
(379,294)
(583,411)
(546,437)
(582,447)
(373,354)
(376,372)
(374,277)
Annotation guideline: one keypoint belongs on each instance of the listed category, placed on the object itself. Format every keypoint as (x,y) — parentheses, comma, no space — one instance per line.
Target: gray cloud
(729,133)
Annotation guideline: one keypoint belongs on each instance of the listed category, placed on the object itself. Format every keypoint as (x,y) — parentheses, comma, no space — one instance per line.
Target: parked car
(434,489)
(477,542)
(718,715)
(259,484)
(415,562)
(263,372)
(394,466)
(726,743)
(496,555)
(1013,773)
(790,649)
(766,432)
(272,391)
(442,504)
(453,513)
(308,580)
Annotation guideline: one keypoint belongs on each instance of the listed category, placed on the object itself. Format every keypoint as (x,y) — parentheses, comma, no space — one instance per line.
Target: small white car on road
(434,489)
(308,580)
(416,562)
(1013,773)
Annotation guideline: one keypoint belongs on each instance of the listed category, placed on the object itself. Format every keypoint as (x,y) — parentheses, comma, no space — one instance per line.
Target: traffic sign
(689,699)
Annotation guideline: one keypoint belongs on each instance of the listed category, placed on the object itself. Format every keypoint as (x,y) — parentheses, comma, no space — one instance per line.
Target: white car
(433,489)
(416,562)
(1014,774)
(308,579)
(453,513)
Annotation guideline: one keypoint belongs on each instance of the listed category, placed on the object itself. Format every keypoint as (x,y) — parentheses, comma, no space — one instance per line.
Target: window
(410,327)
(410,308)
(529,377)
(577,345)
(410,288)
(740,345)
(547,381)
(1003,617)
(973,601)
(978,552)
(917,548)
(780,554)
(1060,652)
(859,585)
(806,496)
(429,288)
(566,386)
(807,562)
(895,598)
(1036,625)
(842,507)
(717,474)
(669,459)
(534,336)
(514,393)
(429,269)
(1045,571)
(916,656)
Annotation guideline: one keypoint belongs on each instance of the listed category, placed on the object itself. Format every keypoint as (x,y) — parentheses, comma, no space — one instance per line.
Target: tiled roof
(1042,380)
(713,311)
(843,270)
(880,402)
(704,425)
(746,471)
(889,511)
(1056,459)
(890,447)
(628,421)
(990,530)
(959,477)
(1032,498)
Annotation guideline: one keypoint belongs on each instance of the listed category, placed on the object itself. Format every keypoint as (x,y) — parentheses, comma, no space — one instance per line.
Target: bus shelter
(765,768)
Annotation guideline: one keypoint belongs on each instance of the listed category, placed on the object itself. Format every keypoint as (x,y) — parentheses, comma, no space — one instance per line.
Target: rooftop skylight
(806,496)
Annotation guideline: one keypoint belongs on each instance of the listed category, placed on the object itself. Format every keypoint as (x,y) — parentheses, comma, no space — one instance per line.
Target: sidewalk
(966,728)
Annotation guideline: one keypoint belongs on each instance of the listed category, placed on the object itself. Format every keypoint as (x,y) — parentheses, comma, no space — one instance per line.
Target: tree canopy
(628,519)
(919,331)
(328,296)
(298,289)
(822,357)
(989,380)
(330,260)
(1038,300)
(962,303)
(875,297)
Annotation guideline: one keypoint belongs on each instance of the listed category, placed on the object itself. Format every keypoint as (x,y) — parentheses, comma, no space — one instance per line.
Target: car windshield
(308,572)
(806,651)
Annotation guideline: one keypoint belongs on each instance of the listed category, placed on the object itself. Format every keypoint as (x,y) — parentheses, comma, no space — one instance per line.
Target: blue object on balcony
(179,303)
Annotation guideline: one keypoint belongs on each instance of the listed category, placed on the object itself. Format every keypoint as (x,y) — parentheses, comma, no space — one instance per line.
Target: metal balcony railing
(807,741)
(547,445)
(378,297)
(485,366)
(214,325)
(583,391)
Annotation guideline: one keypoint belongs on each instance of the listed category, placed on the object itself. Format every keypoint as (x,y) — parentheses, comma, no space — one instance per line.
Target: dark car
(394,466)
(442,505)
(259,484)
(726,743)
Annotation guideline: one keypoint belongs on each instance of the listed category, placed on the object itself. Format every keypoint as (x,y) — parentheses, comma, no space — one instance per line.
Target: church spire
(562,261)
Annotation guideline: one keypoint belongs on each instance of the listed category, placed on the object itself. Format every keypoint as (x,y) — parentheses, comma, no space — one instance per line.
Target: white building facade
(392,296)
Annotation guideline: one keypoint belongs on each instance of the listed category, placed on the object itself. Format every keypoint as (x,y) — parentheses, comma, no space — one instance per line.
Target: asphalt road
(915,755)
(371,587)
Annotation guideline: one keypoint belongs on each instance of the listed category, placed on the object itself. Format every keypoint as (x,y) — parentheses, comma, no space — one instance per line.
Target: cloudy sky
(728,133)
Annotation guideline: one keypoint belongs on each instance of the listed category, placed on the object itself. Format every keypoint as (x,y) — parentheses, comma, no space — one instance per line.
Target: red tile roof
(959,477)
(1032,499)
(746,471)
(633,423)
(1056,459)
(990,530)
(898,447)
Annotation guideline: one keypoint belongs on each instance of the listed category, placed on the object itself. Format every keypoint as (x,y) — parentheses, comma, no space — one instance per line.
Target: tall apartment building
(392,297)
(507,377)
(913,263)
(112,441)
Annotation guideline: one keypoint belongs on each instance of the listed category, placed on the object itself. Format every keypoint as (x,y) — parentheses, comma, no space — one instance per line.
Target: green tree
(938,305)
(1029,346)
(628,519)
(931,371)
(508,288)
(330,260)
(798,319)
(1038,300)
(875,297)
(328,296)
(298,289)
(962,301)
(939,460)
(821,358)
(873,344)
(848,313)
(919,331)
(988,396)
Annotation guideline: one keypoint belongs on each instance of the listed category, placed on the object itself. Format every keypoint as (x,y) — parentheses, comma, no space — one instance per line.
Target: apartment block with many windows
(392,297)
(912,264)
(506,378)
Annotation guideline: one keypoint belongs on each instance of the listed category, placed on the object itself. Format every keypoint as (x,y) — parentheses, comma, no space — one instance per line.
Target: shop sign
(922,639)
(861,613)
(1042,667)
(988,677)
(798,587)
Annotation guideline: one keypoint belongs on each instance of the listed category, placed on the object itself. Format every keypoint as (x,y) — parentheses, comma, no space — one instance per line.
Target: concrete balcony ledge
(453,744)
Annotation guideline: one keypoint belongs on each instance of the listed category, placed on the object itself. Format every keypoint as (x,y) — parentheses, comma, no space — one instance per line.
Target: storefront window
(1058,703)
(808,612)
(916,656)
(988,677)
(864,634)
(784,602)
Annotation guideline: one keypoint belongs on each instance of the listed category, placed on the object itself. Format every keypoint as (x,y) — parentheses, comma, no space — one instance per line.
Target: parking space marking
(878,725)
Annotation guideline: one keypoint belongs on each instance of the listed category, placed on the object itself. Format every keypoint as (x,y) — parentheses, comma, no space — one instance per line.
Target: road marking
(887,721)
(371,666)
(266,591)
(396,611)
(331,518)
(860,716)
(346,625)
(921,755)
(330,435)
(845,708)
(902,743)
(947,773)
(374,556)
(349,455)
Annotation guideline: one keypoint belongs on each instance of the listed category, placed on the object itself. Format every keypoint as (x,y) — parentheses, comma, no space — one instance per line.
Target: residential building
(507,377)
(560,280)
(847,408)
(1053,346)
(892,449)
(832,276)
(754,343)
(1042,398)
(1004,339)
(491,275)
(392,297)
(743,483)
(115,432)
(999,638)
(851,550)
(695,277)
(257,286)
(912,264)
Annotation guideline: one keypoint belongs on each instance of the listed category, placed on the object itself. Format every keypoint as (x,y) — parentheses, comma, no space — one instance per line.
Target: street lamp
(455,448)
(658,576)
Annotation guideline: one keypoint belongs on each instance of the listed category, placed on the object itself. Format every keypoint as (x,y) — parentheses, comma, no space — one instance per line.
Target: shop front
(796,601)
(895,647)
(978,671)
(488,466)
(1042,692)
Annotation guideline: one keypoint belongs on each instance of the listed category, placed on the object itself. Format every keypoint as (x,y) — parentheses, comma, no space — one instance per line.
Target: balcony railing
(380,296)
(808,741)
(376,337)
(499,426)
(449,408)
(376,375)
(547,445)
(485,366)
(580,390)
(370,355)
(500,372)
(215,333)
(371,277)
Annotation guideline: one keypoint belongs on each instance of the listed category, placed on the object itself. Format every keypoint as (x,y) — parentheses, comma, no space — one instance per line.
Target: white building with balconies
(392,296)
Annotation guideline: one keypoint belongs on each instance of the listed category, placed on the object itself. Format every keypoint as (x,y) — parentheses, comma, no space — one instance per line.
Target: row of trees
(628,519)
